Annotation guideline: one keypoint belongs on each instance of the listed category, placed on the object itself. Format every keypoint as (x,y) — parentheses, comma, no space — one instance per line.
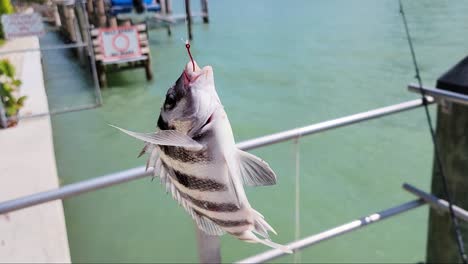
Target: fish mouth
(192,72)
(190,77)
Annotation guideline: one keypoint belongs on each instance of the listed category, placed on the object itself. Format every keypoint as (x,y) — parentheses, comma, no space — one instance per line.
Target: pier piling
(189,19)
(204,9)
(452,143)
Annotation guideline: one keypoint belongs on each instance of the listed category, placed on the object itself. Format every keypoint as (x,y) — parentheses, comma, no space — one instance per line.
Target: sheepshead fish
(196,158)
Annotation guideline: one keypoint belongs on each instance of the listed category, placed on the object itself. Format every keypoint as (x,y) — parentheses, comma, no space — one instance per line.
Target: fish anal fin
(165,138)
(207,226)
(254,171)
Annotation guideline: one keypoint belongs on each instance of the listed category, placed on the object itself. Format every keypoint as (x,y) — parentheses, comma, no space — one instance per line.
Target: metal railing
(424,198)
(85,47)
(140,172)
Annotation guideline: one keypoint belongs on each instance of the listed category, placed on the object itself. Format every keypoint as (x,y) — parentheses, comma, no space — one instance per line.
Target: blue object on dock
(126,6)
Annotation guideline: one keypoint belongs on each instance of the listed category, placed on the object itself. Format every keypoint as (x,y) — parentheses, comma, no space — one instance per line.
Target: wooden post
(208,247)
(162,3)
(57,21)
(101,13)
(189,19)
(70,21)
(113,22)
(204,9)
(90,7)
(168,6)
(452,141)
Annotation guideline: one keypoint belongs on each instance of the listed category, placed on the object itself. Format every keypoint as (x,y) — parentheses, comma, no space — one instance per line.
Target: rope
(456,227)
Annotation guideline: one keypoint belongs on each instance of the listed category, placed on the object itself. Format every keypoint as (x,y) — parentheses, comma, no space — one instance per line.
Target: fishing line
(456,227)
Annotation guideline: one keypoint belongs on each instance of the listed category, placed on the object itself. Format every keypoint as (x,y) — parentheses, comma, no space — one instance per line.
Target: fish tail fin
(248,236)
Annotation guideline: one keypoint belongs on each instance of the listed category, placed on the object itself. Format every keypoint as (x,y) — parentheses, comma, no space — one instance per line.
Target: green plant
(5,8)
(8,86)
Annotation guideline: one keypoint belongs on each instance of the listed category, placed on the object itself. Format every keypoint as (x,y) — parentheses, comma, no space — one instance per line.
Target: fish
(194,154)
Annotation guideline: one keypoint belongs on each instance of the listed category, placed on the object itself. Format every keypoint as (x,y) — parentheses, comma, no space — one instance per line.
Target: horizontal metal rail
(62,111)
(339,230)
(436,202)
(440,94)
(46,48)
(331,124)
(136,173)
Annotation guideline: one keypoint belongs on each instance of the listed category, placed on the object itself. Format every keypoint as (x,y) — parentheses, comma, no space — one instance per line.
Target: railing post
(297,231)
(452,143)
(209,248)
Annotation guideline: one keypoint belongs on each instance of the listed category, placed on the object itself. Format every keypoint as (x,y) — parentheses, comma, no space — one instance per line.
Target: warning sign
(120,43)
(22,25)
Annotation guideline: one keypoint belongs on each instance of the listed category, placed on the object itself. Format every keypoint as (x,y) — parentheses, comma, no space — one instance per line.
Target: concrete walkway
(27,166)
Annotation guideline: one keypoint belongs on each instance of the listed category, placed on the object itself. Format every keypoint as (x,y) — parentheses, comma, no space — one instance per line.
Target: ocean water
(278,65)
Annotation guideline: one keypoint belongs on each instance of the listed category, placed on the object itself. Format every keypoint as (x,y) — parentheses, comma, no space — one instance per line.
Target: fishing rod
(454,220)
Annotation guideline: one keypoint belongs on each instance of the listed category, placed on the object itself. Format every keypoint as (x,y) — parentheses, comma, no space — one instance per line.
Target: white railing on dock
(330,233)
(424,198)
(206,252)
(139,172)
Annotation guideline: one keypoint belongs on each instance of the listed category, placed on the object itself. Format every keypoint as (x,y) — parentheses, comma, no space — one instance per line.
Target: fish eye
(170,102)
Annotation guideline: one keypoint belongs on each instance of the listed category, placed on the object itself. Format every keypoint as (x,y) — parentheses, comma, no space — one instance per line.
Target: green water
(278,65)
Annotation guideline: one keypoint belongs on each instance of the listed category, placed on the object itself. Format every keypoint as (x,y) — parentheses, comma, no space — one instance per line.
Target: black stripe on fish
(163,125)
(195,183)
(207,205)
(224,223)
(211,206)
(184,155)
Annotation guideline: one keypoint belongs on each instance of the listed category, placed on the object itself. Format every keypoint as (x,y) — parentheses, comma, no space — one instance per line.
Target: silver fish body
(196,158)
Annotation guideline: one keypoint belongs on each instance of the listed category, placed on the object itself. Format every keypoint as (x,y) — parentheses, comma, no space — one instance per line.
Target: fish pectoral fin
(165,138)
(254,171)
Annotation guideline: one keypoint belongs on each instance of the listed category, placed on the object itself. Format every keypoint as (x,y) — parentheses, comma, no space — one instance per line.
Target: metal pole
(128,175)
(440,94)
(209,247)
(331,124)
(435,202)
(62,111)
(339,230)
(46,48)
(74,189)
(97,88)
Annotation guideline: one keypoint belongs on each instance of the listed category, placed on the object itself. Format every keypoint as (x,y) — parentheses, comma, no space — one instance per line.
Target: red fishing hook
(187,45)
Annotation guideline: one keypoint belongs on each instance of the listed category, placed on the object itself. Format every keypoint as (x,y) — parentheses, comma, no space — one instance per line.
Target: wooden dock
(76,18)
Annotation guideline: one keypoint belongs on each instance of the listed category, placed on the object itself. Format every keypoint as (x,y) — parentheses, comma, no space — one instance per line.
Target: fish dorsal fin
(165,138)
(254,171)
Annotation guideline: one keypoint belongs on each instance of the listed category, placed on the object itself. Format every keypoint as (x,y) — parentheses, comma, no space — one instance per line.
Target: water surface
(278,65)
